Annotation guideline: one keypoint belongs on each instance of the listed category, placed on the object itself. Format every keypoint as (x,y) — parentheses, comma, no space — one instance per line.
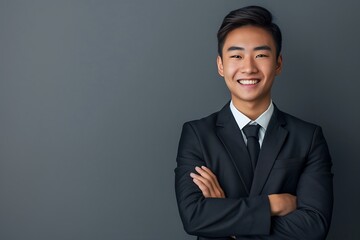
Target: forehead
(249,37)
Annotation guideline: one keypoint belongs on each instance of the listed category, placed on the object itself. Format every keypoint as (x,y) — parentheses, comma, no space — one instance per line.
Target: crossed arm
(206,212)
(280,204)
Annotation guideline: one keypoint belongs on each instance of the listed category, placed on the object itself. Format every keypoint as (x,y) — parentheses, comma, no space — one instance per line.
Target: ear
(278,65)
(220,66)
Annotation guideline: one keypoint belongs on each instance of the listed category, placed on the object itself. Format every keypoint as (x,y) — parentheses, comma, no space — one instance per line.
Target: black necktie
(253,146)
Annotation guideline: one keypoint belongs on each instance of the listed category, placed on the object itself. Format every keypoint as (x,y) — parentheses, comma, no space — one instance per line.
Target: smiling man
(251,171)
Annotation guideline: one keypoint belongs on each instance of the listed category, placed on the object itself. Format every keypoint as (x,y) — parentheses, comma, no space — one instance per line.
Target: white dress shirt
(263,120)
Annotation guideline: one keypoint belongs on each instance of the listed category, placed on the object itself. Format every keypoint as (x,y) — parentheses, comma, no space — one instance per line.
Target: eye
(235,56)
(261,56)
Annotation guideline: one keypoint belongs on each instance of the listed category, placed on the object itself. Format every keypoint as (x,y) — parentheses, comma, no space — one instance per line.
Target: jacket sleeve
(213,217)
(312,218)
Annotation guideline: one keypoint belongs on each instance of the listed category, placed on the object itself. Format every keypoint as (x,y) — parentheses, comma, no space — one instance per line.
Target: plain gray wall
(93,95)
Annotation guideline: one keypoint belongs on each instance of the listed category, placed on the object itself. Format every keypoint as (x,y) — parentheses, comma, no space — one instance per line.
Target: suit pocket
(289,163)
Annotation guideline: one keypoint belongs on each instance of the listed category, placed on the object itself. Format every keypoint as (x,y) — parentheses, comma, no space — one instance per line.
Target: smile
(248,81)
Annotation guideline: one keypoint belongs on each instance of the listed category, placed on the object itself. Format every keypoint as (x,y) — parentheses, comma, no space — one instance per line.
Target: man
(251,171)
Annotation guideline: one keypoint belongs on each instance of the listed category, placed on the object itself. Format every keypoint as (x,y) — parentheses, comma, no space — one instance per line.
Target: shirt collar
(242,120)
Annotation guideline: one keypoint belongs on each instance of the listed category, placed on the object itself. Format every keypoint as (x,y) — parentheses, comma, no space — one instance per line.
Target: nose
(248,65)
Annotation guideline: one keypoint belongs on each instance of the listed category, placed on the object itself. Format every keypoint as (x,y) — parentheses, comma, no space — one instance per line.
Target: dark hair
(251,15)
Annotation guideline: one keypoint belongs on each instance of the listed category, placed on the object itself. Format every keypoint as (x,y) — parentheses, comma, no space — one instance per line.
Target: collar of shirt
(242,120)
(263,120)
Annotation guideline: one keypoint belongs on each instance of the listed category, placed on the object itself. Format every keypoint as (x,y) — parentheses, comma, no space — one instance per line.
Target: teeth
(248,82)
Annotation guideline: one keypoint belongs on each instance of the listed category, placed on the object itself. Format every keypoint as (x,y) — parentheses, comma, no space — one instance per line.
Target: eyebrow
(263,47)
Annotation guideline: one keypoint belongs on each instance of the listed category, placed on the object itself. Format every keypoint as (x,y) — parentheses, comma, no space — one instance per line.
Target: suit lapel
(231,137)
(272,143)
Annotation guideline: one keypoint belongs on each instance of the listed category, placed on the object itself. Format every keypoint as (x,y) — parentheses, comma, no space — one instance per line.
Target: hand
(282,204)
(207,182)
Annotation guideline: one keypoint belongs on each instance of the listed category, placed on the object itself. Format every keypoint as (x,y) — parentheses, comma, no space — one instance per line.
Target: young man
(251,171)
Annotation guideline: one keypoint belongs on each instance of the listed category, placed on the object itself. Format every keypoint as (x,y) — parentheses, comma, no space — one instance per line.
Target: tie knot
(252,131)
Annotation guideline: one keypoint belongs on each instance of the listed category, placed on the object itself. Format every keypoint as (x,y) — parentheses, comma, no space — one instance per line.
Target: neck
(252,109)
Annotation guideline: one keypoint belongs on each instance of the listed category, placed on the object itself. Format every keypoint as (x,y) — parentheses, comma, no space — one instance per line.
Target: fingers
(207,179)
(212,176)
(213,179)
(205,185)
(204,189)
(207,182)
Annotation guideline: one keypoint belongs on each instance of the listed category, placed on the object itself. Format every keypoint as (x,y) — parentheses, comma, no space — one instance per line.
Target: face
(249,65)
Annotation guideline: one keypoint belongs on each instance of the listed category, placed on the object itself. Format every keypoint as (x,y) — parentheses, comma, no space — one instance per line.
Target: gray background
(93,95)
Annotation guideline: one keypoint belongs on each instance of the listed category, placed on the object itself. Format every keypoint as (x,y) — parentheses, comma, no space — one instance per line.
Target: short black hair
(251,15)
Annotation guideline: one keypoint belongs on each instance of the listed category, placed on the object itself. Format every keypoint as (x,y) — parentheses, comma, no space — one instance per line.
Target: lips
(248,81)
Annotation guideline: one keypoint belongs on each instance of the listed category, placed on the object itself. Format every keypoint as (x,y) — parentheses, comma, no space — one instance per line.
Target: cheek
(269,71)
(230,69)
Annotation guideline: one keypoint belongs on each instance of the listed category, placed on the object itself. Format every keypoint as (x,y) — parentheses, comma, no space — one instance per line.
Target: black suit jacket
(294,158)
